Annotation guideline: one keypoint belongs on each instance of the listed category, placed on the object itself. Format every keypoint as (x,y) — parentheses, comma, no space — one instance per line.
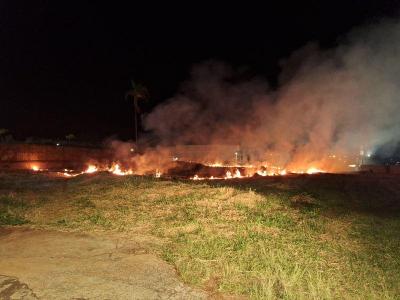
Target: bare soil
(41,264)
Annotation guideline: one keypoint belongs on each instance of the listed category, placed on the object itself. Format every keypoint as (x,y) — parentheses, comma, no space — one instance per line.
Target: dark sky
(64,68)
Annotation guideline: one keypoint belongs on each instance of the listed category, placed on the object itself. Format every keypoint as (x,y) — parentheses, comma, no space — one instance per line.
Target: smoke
(127,154)
(328,102)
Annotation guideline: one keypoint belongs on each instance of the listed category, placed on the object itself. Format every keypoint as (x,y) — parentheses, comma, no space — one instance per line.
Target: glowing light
(235,174)
(222,165)
(262,173)
(116,169)
(196,177)
(313,171)
(91,169)
(216,164)
(35,168)
(66,174)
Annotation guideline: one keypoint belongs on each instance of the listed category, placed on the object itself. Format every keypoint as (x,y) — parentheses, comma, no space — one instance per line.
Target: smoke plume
(328,102)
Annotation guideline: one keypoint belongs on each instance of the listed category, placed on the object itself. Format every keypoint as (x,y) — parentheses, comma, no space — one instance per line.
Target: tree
(5,135)
(70,137)
(138,93)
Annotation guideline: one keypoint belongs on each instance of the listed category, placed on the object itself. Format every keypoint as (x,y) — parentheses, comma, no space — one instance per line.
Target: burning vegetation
(330,110)
(163,162)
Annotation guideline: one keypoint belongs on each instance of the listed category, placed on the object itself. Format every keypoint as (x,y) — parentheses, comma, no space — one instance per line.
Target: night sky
(66,67)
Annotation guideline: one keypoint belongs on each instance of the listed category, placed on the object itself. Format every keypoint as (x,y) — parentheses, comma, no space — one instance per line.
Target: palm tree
(138,92)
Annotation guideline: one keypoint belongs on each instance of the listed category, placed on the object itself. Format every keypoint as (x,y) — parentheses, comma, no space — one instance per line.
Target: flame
(262,171)
(66,174)
(91,169)
(235,174)
(116,169)
(314,171)
(216,164)
(197,177)
(222,165)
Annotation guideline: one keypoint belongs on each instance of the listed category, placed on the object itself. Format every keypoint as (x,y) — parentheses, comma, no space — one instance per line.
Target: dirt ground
(38,264)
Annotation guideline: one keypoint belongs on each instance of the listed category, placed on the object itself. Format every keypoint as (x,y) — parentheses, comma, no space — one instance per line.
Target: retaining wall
(24,156)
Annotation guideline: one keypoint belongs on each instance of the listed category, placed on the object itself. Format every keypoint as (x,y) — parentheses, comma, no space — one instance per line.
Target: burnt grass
(293,237)
(376,194)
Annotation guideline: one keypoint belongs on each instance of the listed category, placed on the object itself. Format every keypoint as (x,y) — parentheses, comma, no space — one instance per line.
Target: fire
(91,169)
(216,164)
(197,177)
(314,171)
(224,172)
(230,175)
(66,174)
(262,171)
(221,165)
(116,169)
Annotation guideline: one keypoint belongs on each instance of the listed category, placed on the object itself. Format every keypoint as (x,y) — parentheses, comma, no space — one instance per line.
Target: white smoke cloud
(328,101)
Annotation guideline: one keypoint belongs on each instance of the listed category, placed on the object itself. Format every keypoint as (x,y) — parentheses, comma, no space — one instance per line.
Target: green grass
(11,210)
(302,237)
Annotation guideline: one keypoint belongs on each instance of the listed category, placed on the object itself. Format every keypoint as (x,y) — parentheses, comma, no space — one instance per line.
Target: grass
(303,237)
(11,210)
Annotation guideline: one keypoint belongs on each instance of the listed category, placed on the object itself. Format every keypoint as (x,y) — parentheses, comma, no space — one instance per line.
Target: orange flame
(116,169)
(91,169)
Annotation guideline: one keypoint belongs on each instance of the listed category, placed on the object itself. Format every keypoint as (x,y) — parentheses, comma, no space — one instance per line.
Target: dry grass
(307,237)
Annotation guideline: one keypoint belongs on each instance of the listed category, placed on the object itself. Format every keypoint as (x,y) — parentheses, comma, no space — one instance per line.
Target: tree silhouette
(138,93)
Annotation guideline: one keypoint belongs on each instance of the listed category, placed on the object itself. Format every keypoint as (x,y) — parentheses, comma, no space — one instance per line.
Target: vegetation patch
(8,218)
(295,237)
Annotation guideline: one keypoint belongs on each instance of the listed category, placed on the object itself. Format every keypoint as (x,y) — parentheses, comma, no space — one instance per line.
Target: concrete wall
(23,156)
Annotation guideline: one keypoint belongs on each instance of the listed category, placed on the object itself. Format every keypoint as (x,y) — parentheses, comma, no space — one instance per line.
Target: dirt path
(37,264)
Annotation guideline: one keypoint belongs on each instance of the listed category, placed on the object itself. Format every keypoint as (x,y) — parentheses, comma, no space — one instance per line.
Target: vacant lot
(300,237)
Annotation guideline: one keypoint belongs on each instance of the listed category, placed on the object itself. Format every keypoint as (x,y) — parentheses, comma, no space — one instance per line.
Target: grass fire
(252,159)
